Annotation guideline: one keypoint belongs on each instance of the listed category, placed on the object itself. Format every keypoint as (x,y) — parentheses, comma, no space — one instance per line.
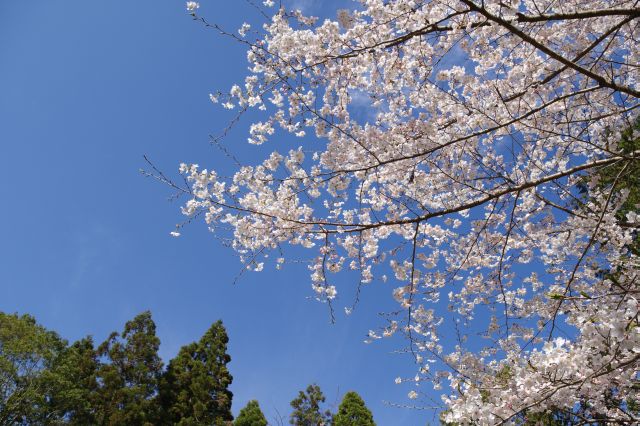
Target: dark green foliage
(45,381)
(306,408)
(620,176)
(625,174)
(129,380)
(195,387)
(74,393)
(353,412)
(251,415)
(27,354)
(548,418)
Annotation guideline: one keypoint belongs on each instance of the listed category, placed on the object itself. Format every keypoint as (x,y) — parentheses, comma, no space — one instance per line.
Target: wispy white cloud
(319,7)
(95,246)
(303,5)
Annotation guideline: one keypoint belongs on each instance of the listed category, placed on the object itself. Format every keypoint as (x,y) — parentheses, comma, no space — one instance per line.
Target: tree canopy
(442,145)
(77,398)
(353,412)
(251,415)
(129,380)
(195,387)
(307,410)
(44,380)
(28,354)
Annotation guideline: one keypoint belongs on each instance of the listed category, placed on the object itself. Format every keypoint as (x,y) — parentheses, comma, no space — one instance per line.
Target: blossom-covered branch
(472,149)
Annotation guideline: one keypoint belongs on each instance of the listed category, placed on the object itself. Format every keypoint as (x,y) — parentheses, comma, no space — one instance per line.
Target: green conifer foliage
(306,408)
(353,412)
(74,392)
(195,388)
(129,381)
(251,415)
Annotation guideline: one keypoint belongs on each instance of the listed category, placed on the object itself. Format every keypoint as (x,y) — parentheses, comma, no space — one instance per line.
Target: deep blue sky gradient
(86,89)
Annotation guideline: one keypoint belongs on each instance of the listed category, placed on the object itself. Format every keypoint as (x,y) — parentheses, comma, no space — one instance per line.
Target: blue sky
(87,89)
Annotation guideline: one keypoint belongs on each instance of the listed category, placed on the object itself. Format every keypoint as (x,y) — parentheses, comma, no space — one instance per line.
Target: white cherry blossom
(444,144)
(192,6)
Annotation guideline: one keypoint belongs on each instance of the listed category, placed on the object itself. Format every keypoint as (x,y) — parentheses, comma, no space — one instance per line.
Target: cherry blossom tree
(444,142)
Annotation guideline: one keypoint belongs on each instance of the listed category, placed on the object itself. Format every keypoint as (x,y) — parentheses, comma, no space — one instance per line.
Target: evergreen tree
(306,408)
(129,381)
(75,391)
(195,386)
(353,412)
(27,353)
(45,381)
(251,415)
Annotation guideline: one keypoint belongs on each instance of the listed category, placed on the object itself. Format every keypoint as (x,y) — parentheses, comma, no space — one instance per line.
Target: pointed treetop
(353,412)
(251,415)
(306,408)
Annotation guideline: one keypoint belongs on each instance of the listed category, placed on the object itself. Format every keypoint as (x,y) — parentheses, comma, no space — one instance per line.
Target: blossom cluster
(449,143)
